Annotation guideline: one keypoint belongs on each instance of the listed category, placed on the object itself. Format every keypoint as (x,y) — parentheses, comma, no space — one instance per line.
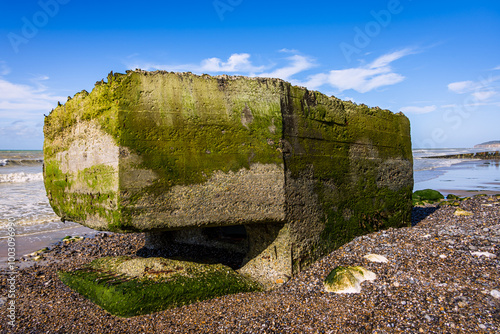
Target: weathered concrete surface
(160,152)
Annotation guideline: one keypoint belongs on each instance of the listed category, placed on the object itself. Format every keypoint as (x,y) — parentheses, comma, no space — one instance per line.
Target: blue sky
(437,61)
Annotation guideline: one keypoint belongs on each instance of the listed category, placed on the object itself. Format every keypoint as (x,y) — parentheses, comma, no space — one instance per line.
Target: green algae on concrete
(126,286)
(160,130)
(161,152)
(348,172)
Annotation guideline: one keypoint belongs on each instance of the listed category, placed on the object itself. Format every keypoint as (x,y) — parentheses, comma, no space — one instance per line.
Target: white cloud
(496,68)
(297,64)
(461,87)
(21,110)
(237,62)
(481,91)
(418,110)
(285,50)
(25,101)
(386,59)
(364,78)
(484,95)
(21,129)
(449,106)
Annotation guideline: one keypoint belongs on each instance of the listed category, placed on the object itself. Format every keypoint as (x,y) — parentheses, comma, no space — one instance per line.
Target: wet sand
(32,239)
(467,178)
(467,193)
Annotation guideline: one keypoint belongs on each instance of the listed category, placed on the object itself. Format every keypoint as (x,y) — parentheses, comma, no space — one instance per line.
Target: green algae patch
(127,287)
(426,196)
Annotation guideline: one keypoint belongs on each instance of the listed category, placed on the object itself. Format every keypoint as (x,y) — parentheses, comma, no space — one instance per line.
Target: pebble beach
(442,276)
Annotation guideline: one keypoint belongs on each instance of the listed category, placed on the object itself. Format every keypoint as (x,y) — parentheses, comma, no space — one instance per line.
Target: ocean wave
(50,219)
(20,177)
(422,164)
(20,162)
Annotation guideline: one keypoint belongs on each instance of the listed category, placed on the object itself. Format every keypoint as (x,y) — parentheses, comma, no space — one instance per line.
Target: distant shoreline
(479,155)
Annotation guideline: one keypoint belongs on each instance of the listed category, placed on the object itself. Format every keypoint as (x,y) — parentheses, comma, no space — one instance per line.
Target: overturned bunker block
(256,166)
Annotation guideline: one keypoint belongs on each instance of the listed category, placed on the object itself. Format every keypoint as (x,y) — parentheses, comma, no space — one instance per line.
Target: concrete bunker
(252,166)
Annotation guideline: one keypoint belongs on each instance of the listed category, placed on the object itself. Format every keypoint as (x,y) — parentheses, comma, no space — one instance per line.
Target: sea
(23,200)
(461,177)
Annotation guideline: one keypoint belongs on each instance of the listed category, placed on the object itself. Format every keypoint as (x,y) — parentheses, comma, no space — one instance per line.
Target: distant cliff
(489,144)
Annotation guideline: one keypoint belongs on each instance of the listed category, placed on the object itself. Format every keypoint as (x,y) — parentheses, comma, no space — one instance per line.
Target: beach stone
(347,279)
(495,294)
(485,254)
(376,258)
(461,212)
(188,158)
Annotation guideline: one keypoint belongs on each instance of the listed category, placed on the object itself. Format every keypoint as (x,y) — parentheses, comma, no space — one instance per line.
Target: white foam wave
(21,162)
(421,164)
(20,177)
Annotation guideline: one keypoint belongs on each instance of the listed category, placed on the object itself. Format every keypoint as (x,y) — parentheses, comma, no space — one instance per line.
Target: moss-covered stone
(126,286)
(158,151)
(453,197)
(347,279)
(426,196)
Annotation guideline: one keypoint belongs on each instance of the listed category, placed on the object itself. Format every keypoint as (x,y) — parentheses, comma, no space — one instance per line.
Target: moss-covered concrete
(126,286)
(158,151)
(349,171)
